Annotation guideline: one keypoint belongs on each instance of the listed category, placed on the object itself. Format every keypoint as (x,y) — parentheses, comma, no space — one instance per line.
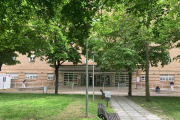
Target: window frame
(14,58)
(49,60)
(32,76)
(143,77)
(50,75)
(14,75)
(69,78)
(167,77)
(123,77)
(32,58)
(92,60)
(4,79)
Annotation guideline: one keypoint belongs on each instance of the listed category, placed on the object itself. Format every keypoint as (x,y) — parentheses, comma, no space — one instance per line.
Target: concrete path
(128,110)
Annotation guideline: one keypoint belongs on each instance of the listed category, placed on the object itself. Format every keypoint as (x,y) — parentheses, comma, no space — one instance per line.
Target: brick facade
(173,68)
(41,68)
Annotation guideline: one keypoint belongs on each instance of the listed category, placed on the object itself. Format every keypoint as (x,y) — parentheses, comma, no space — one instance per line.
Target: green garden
(166,108)
(19,106)
(47,107)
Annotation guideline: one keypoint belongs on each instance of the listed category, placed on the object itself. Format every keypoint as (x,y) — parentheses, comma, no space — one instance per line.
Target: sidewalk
(97,92)
(128,110)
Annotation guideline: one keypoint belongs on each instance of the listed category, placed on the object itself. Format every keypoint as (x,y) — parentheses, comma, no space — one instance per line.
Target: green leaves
(28,25)
(16,33)
(113,40)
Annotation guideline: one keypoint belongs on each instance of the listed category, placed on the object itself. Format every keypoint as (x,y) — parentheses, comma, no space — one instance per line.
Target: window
(122,78)
(14,76)
(14,58)
(168,58)
(50,76)
(4,79)
(70,78)
(30,76)
(143,77)
(84,62)
(49,60)
(32,58)
(166,77)
(91,60)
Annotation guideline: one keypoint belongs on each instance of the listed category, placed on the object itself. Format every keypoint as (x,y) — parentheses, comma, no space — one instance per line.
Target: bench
(106,116)
(103,95)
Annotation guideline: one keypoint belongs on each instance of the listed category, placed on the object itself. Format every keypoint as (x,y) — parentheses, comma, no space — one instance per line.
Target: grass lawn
(14,106)
(168,108)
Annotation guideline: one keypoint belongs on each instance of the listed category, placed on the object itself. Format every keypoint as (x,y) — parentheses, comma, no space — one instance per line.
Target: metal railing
(32,84)
(154,85)
(72,85)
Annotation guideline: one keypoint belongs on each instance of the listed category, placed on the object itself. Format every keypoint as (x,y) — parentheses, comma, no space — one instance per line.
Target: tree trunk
(130,84)
(0,65)
(147,74)
(56,73)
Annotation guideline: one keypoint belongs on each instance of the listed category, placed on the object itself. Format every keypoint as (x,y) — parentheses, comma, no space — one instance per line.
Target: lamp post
(86,77)
(93,73)
(89,27)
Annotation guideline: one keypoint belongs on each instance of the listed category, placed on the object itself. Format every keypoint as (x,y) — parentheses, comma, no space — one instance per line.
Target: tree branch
(62,62)
(153,47)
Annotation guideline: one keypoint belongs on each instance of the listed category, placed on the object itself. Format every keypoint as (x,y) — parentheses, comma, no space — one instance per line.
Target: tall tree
(58,48)
(113,40)
(65,33)
(151,21)
(133,31)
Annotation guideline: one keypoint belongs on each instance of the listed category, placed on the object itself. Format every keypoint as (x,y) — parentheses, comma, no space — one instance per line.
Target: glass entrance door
(98,80)
(105,79)
(90,80)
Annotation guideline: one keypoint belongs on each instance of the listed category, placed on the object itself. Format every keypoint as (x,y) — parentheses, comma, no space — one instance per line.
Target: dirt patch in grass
(72,112)
(159,110)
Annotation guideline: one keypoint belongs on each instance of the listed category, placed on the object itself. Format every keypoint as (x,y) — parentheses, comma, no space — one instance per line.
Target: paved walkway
(128,110)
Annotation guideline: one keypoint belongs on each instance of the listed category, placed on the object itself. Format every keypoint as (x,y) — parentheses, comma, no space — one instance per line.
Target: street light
(93,72)
(86,77)
(89,27)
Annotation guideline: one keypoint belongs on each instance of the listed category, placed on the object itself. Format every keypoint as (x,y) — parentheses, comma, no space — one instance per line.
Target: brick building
(39,73)
(163,75)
